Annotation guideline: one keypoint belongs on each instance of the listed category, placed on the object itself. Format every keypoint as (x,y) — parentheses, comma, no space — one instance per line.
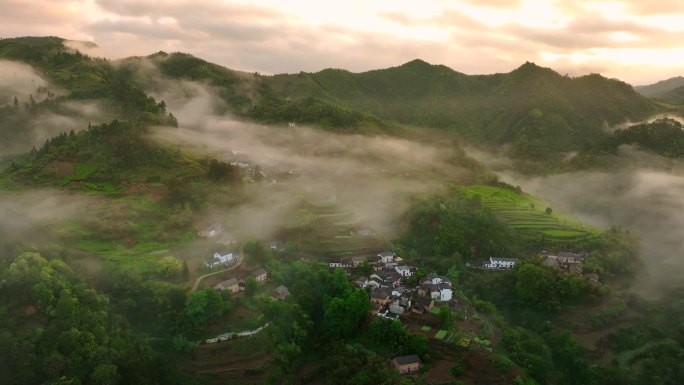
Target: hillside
(663,137)
(536,109)
(664,90)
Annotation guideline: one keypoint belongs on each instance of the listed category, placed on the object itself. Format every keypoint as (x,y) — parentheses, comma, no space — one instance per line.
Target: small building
(386,257)
(379,296)
(551,262)
(281,292)
(422,304)
(231,285)
(445,292)
(500,263)
(593,279)
(433,279)
(278,246)
(358,261)
(336,262)
(425,290)
(211,231)
(396,309)
(404,271)
(407,364)
(260,275)
(361,282)
(219,259)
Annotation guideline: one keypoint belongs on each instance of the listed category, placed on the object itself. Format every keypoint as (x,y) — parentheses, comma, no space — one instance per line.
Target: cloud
(618,38)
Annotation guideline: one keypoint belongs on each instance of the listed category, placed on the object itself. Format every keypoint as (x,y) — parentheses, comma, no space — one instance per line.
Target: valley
(169,220)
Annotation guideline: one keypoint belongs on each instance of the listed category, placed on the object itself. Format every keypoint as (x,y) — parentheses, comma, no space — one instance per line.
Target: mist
(374,178)
(30,216)
(646,201)
(20,80)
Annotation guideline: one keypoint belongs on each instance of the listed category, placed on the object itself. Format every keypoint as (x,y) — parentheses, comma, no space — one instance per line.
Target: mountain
(107,156)
(536,109)
(670,90)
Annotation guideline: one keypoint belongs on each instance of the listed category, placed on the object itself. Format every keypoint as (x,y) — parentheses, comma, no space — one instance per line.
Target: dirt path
(239,261)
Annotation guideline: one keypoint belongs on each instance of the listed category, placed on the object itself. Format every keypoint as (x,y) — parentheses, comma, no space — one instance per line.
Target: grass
(525,212)
(441,334)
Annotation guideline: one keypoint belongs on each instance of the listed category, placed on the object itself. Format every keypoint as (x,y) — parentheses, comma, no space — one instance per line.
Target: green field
(525,212)
(441,334)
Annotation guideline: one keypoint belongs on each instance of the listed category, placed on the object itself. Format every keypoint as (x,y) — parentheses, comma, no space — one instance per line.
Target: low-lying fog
(372,177)
(649,202)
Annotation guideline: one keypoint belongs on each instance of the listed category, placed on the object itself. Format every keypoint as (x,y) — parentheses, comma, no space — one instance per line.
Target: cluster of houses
(570,262)
(391,297)
(235,285)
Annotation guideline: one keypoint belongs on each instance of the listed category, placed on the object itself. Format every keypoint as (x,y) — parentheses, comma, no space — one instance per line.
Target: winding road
(199,279)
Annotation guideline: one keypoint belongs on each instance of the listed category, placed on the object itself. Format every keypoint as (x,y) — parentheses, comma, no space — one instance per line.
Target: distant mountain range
(536,111)
(670,90)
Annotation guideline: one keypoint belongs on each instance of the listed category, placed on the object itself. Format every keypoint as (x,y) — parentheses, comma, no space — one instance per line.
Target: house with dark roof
(379,296)
(422,304)
(407,364)
(260,275)
(281,292)
(229,284)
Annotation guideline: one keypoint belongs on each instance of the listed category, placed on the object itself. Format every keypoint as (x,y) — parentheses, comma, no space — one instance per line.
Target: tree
(548,211)
(445,317)
(16,102)
(534,287)
(169,266)
(256,252)
(251,286)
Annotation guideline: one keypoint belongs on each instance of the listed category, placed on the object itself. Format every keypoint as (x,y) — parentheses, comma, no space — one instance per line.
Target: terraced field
(528,213)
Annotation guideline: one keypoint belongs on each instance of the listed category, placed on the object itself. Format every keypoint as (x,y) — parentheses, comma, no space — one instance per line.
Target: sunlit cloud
(275,36)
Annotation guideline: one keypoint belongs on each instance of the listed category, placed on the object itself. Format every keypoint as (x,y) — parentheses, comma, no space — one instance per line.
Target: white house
(386,257)
(404,271)
(444,292)
(500,263)
(219,259)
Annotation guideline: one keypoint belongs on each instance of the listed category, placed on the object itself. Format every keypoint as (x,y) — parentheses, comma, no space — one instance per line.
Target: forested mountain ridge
(538,111)
(534,108)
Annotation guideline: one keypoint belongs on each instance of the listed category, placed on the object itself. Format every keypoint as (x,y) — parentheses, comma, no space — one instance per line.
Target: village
(426,303)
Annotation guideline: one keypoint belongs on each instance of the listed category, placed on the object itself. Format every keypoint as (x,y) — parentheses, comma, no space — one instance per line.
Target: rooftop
(407,360)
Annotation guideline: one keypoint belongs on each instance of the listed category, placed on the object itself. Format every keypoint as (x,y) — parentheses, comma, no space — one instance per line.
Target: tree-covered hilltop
(249,97)
(74,80)
(663,137)
(536,109)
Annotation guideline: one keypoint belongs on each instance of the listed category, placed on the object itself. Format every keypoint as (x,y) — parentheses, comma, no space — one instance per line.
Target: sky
(637,41)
